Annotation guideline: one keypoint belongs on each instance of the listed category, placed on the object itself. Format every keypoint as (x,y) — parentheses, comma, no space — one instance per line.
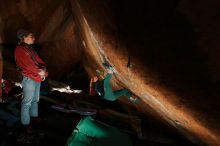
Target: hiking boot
(28,129)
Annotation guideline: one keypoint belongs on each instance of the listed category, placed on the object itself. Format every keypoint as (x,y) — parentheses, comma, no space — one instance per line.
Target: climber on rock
(104,89)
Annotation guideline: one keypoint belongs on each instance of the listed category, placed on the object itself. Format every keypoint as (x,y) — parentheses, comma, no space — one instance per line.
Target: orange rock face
(153,49)
(165,52)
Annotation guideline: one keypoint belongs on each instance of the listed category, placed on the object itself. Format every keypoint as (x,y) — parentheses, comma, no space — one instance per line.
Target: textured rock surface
(154,50)
(166,52)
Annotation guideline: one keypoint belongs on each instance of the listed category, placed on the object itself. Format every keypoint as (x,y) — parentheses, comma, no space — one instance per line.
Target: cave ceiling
(165,52)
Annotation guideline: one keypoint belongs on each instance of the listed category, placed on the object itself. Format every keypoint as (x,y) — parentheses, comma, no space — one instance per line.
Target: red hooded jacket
(29,62)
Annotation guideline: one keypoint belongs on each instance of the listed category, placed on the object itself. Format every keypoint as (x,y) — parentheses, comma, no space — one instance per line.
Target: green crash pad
(89,132)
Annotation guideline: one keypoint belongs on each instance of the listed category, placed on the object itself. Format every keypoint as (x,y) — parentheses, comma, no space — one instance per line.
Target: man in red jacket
(34,72)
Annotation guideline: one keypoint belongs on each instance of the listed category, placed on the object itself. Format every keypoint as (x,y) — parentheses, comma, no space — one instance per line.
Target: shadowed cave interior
(165,52)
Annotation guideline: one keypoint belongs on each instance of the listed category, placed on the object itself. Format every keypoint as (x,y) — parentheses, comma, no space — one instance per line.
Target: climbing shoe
(134,99)
(27,129)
